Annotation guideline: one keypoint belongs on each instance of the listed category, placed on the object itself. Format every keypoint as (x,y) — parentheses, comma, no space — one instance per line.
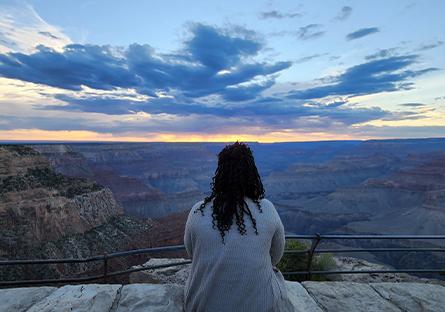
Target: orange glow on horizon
(91,136)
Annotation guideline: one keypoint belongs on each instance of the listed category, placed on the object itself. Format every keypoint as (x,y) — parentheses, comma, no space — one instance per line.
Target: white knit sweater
(238,275)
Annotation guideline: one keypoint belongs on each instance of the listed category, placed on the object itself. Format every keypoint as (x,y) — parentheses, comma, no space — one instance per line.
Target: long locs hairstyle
(236,177)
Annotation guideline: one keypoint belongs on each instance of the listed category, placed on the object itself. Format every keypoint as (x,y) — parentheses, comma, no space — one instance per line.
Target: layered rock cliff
(38,205)
(148,180)
(44,214)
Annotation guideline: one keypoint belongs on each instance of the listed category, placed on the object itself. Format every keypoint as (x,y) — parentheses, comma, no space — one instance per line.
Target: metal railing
(311,251)
(317,238)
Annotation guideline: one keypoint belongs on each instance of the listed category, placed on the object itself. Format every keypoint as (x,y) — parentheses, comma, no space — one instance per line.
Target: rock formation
(44,214)
(305,297)
(39,205)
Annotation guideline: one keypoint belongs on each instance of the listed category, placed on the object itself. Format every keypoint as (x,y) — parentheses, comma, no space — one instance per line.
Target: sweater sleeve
(188,235)
(278,241)
(188,232)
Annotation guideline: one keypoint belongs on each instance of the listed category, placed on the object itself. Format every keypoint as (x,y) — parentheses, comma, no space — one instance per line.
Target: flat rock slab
(20,299)
(307,297)
(79,298)
(150,297)
(300,298)
(348,296)
(413,296)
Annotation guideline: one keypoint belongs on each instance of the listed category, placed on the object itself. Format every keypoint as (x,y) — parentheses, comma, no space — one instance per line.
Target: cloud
(308,58)
(363,32)
(49,35)
(413,104)
(310,31)
(375,76)
(430,46)
(383,53)
(21,27)
(268,112)
(212,61)
(344,13)
(400,132)
(278,15)
(216,49)
(244,93)
(212,83)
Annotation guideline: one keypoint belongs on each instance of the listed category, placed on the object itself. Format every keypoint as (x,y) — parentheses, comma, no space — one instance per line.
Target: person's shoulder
(193,212)
(266,202)
(197,205)
(267,205)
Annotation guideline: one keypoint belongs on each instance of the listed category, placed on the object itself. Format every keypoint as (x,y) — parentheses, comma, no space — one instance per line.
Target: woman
(235,239)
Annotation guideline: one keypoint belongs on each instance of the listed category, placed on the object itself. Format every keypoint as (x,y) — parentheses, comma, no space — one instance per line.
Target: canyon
(81,199)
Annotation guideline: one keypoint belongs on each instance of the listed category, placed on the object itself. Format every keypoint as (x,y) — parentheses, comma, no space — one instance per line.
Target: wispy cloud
(278,15)
(363,32)
(383,53)
(310,31)
(308,58)
(22,28)
(344,13)
(430,46)
(414,105)
(382,75)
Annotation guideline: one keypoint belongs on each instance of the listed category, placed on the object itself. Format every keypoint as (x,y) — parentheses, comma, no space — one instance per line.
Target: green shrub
(298,262)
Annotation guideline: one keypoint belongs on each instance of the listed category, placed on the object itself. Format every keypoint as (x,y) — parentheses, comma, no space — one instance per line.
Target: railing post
(105,272)
(311,251)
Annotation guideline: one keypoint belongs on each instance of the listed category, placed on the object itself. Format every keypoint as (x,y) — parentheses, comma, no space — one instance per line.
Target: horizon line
(208,142)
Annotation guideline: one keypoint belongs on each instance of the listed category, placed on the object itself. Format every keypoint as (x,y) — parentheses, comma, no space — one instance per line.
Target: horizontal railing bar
(181,247)
(366,271)
(96,258)
(91,278)
(379,250)
(51,261)
(145,250)
(340,236)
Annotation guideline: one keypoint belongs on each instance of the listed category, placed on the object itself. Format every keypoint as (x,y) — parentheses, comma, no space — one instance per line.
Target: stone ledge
(306,297)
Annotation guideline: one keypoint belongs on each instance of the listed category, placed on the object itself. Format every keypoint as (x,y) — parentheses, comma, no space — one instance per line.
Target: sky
(266,71)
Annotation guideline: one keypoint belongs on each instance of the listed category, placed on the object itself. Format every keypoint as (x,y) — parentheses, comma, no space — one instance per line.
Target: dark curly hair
(235,177)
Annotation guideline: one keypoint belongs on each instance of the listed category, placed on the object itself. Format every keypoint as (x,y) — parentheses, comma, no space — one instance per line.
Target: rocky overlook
(305,297)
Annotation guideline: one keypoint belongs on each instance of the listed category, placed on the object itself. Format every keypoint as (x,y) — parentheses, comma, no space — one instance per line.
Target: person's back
(233,266)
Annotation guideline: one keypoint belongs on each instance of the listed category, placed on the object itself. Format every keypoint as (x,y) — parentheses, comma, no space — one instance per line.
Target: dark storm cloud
(382,75)
(194,72)
(363,32)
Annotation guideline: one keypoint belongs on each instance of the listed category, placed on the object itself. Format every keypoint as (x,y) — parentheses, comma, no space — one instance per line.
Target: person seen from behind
(235,238)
